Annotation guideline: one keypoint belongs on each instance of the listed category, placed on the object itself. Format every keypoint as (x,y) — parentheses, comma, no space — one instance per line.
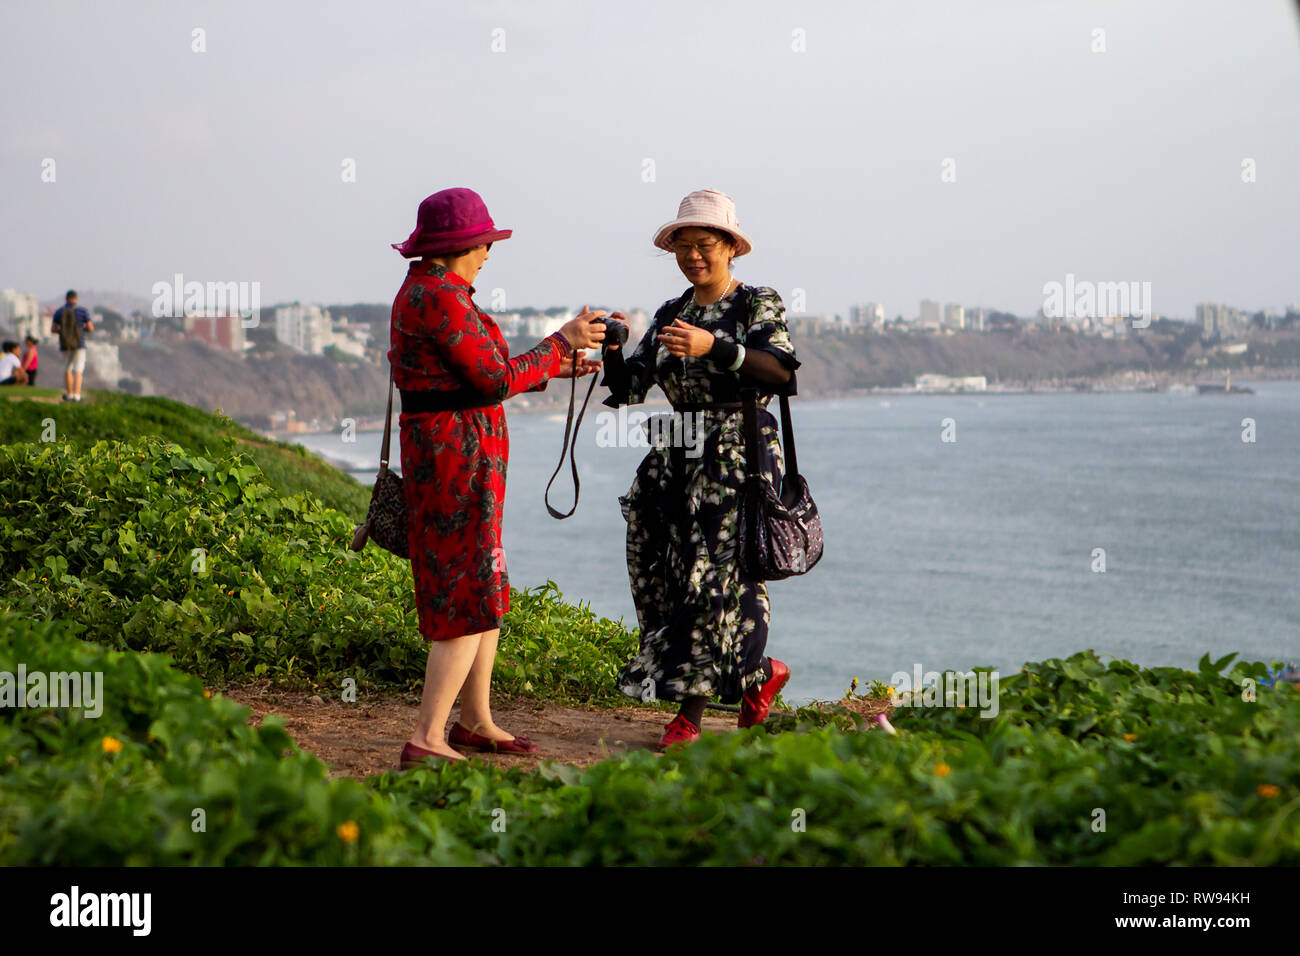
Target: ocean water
(979,551)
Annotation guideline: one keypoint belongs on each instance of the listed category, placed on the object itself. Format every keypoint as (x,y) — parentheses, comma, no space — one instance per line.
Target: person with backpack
(71,323)
(30,360)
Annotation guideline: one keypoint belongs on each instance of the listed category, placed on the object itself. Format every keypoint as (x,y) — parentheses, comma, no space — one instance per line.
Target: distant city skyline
(877,152)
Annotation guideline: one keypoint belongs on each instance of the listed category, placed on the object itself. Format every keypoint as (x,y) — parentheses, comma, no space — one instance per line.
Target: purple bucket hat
(448,221)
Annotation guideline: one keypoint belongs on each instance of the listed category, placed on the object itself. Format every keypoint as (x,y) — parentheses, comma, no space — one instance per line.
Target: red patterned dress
(454,462)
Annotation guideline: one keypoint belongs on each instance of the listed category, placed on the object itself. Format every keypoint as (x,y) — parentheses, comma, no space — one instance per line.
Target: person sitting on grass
(11,366)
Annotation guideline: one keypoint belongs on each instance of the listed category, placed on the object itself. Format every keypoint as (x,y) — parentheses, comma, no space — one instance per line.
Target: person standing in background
(30,360)
(71,323)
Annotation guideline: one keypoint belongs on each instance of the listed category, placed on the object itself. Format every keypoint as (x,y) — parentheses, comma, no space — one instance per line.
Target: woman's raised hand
(585,331)
(683,339)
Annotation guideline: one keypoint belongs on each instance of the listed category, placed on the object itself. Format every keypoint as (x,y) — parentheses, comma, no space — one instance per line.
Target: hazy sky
(226,165)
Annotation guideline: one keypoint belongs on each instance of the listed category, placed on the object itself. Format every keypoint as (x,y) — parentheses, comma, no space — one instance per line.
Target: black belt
(416,402)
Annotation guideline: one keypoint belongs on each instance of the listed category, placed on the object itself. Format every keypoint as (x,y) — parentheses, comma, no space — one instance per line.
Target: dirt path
(359,739)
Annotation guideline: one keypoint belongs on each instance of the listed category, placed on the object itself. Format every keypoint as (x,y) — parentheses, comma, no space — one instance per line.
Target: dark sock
(767,669)
(693,709)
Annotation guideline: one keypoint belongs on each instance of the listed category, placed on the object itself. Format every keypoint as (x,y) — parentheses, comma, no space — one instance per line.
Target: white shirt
(8,362)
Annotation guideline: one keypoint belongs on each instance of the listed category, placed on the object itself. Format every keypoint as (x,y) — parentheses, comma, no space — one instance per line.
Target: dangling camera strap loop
(570,426)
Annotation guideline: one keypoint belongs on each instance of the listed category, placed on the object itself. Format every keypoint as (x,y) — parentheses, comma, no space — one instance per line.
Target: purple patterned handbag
(780,535)
(388,517)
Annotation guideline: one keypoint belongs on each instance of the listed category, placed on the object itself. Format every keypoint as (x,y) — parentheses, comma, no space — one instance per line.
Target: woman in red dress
(453,369)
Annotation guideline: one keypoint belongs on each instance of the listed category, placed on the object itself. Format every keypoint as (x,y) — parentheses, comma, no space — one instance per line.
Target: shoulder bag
(388,517)
(780,535)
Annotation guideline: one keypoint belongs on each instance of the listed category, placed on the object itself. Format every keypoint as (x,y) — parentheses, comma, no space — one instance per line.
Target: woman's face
(468,265)
(474,261)
(703,257)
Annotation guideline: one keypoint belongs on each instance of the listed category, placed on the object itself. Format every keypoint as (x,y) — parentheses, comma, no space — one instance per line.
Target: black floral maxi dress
(703,623)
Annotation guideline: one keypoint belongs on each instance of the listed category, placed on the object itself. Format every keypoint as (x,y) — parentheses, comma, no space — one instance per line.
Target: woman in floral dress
(703,622)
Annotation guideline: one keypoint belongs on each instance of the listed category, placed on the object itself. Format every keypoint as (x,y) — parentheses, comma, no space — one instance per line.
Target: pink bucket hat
(449,221)
(705,207)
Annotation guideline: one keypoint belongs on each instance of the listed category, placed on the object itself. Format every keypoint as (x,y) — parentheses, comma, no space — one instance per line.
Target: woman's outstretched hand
(685,340)
(585,367)
(586,331)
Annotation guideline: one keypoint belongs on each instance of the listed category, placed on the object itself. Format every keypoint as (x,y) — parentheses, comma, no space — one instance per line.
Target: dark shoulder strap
(670,310)
(388,421)
(750,425)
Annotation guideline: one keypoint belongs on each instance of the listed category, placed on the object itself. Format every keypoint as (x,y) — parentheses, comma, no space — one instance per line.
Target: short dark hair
(32,339)
(71,294)
(9,346)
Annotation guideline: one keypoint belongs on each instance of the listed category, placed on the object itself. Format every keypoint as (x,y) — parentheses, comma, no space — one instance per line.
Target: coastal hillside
(328,388)
(27,414)
(1027,357)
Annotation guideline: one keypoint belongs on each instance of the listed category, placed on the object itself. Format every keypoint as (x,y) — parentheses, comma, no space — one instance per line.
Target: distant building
(219,331)
(954,317)
(930,315)
(931,382)
(510,323)
(1219,321)
(303,327)
(975,319)
(813,324)
(542,324)
(638,322)
(20,315)
(870,316)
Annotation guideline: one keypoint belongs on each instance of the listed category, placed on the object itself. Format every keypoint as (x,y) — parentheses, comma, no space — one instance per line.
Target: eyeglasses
(703,248)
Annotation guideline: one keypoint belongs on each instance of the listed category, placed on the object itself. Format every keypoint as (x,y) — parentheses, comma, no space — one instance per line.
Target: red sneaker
(679,731)
(756,703)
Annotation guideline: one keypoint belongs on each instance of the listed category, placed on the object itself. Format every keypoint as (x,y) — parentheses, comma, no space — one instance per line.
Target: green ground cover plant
(124,788)
(142,545)
(121,417)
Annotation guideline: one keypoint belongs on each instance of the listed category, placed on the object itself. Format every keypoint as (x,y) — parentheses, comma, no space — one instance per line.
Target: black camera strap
(570,426)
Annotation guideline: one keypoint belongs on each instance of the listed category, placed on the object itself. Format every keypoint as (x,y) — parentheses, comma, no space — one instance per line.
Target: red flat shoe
(757,702)
(679,731)
(464,737)
(413,756)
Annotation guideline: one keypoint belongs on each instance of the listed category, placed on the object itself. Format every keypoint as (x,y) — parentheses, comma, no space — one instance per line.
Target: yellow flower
(111,745)
(348,832)
(207,693)
(942,770)
(1268,790)
(1130,737)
